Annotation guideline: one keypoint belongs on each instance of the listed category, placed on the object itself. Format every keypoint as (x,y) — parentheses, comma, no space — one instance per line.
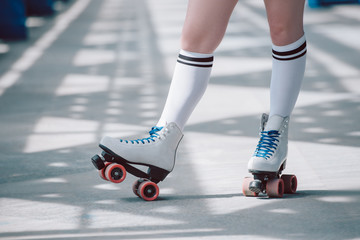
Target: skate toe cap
(108,141)
(260,164)
(253,162)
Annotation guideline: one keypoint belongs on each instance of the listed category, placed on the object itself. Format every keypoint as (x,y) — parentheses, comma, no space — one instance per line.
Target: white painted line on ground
(114,234)
(34,52)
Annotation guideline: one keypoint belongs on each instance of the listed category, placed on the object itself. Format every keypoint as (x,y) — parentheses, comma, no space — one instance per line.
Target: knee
(283,33)
(199,42)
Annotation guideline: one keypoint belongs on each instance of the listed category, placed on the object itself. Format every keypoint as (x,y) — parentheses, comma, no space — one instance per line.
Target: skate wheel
(148,190)
(275,188)
(290,183)
(136,185)
(102,171)
(245,187)
(115,173)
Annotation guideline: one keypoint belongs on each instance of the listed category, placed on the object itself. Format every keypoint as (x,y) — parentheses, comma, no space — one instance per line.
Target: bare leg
(205,24)
(285,20)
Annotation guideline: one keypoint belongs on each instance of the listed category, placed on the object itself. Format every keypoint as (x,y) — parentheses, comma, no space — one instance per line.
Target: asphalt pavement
(104,68)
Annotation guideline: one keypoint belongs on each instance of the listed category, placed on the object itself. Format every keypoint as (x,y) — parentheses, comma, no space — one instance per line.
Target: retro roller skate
(156,152)
(269,160)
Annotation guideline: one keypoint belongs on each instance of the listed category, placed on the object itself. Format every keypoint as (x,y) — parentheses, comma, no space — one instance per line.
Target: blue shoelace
(267,144)
(153,134)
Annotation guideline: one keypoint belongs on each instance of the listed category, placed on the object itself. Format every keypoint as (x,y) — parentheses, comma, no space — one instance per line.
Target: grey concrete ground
(104,68)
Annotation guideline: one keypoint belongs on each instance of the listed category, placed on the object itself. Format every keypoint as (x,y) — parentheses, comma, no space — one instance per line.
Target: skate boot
(157,152)
(269,160)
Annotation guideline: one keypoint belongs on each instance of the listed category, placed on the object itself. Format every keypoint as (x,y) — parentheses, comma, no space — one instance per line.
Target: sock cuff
(195,59)
(195,54)
(291,51)
(290,46)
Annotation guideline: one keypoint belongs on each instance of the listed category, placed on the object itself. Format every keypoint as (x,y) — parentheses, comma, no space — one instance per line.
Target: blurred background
(73,71)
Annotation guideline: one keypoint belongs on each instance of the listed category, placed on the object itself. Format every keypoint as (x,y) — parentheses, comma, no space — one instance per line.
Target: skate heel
(157,174)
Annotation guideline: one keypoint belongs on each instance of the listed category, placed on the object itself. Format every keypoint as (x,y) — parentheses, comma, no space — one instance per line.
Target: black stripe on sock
(292,52)
(195,65)
(292,58)
(208,59)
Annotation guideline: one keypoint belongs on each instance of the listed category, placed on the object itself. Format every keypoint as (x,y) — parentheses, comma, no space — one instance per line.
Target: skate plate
(114,169)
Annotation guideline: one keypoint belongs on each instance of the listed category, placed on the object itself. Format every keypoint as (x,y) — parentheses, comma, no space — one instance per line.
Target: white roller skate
(157,152)
(269,160)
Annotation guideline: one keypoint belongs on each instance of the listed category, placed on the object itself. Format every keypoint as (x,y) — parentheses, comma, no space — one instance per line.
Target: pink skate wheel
(275,188)
(245,188)
(102,171)
(136,185)
(290,183)
(148,191)
(115,172)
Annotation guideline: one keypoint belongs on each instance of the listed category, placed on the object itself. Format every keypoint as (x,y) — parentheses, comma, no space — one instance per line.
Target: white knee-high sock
(189,82)
(287,75)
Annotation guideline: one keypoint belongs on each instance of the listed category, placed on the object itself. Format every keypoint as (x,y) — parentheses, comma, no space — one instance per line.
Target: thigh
(205,24)
(285,20)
